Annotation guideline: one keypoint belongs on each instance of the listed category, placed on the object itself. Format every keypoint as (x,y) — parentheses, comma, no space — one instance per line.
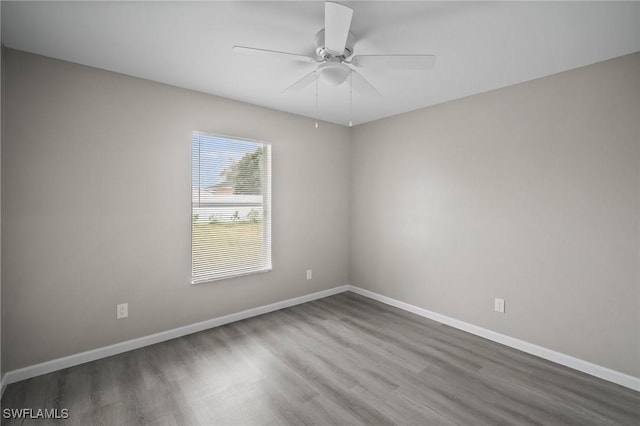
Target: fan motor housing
(324,54)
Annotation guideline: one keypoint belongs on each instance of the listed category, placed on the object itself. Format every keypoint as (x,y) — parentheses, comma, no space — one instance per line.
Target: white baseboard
(117,348)
(548,354)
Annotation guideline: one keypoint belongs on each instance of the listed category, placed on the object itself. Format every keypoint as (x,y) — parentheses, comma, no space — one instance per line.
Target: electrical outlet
(122,310)
(309,274)
(499,305)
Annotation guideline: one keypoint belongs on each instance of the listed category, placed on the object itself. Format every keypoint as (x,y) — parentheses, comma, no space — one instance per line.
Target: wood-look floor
(341,360)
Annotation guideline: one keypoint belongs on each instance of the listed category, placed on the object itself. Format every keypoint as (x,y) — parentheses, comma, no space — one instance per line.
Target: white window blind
(230,207)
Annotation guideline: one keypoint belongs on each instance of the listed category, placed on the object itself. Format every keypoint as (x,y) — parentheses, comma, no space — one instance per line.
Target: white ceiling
(480,46)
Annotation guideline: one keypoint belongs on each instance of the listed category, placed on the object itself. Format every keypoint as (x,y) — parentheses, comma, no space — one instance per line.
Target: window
(230,207)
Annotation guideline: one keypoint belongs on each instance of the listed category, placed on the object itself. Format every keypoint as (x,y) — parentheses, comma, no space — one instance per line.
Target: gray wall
(1,98)
(529,193)
(88,156)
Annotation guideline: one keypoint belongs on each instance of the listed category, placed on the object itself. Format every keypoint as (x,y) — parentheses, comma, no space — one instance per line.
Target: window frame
(266,208)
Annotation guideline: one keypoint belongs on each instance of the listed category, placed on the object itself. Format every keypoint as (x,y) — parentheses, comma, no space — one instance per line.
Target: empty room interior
(320,213)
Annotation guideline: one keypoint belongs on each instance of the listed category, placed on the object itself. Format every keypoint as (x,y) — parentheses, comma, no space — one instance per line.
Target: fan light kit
(334,73)
(335,62)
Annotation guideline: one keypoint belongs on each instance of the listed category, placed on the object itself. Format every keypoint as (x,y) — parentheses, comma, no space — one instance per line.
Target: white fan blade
(401,62)
(273,53)
(361,85)
(337,21)
(302,83)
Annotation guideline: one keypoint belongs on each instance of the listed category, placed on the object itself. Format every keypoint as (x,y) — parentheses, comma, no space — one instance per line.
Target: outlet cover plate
(122,310)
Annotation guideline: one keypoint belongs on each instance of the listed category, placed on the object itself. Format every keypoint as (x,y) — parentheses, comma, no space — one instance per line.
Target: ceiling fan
(334,58)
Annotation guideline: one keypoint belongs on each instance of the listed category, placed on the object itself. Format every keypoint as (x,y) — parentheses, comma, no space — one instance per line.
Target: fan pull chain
(316,99)
(350,97)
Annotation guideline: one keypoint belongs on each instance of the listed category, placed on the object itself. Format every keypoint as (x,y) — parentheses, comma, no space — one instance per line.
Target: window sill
(231,275)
